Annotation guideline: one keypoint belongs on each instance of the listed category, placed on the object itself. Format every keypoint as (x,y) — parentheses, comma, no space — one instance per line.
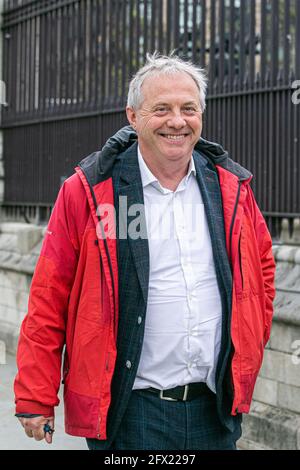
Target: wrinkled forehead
(169,85)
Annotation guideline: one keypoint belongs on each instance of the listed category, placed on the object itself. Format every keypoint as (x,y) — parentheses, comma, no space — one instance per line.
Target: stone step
(245,444)
(271,427)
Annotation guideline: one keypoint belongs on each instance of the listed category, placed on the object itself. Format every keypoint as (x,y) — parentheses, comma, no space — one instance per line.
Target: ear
(131,116)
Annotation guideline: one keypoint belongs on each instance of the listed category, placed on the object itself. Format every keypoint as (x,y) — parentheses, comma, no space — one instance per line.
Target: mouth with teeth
(174,138)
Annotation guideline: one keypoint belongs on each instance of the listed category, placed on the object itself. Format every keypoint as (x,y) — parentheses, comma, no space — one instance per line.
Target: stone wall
(274,420)
(1,100)
(20,245)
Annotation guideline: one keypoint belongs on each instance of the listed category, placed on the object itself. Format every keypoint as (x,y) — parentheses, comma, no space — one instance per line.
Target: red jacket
(74,295)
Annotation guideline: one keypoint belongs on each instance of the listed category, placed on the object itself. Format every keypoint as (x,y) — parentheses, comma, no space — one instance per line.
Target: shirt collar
(148,177)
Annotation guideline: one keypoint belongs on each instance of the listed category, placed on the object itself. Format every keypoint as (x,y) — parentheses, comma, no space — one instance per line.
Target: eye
(161,110)
(189,109)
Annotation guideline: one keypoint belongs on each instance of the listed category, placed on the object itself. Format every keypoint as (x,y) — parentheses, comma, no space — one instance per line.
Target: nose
(176,121)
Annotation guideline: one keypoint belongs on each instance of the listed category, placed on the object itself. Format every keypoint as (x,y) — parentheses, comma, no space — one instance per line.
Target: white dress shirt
(184,313)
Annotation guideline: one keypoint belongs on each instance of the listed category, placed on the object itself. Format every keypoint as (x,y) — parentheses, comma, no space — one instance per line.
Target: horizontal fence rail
(67,64)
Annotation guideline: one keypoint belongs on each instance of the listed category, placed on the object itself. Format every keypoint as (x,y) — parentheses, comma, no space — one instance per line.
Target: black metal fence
(67,64)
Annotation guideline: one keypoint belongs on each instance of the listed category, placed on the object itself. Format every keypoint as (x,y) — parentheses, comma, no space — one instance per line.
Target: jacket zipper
(233,217)
(240,263)
(230,236)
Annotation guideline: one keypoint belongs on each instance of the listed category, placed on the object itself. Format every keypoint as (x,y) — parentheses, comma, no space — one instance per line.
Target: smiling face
(169,120)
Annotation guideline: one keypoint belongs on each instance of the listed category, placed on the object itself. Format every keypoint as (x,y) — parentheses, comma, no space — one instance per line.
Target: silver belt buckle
(166,398)
(186,389)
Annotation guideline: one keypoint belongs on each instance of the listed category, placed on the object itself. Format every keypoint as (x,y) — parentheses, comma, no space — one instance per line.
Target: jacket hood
(126,137)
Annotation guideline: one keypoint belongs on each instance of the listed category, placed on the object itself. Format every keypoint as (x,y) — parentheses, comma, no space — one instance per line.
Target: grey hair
(157,64)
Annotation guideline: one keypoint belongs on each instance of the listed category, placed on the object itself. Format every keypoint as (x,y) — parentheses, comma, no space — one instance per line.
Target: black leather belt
(181,393)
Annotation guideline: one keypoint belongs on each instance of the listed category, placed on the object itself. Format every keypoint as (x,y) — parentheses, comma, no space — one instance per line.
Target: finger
(37,429)
(28,431)
(49,436)
(38,434)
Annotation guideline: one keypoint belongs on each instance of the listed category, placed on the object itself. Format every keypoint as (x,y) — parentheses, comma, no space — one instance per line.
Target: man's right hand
(34,427)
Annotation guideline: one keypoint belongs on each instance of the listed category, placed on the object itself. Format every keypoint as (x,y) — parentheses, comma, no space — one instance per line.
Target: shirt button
(128,364)
(139,320)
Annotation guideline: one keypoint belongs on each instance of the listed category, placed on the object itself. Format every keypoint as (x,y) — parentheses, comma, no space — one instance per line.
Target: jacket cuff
(33,407)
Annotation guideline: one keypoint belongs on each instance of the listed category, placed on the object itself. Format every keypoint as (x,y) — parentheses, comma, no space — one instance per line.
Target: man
(157,274)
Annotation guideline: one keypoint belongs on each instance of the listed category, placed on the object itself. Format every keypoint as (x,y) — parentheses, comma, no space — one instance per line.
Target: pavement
(12,435)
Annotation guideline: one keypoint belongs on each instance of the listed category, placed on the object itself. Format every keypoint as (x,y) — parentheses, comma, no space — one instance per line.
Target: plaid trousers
(151,423)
